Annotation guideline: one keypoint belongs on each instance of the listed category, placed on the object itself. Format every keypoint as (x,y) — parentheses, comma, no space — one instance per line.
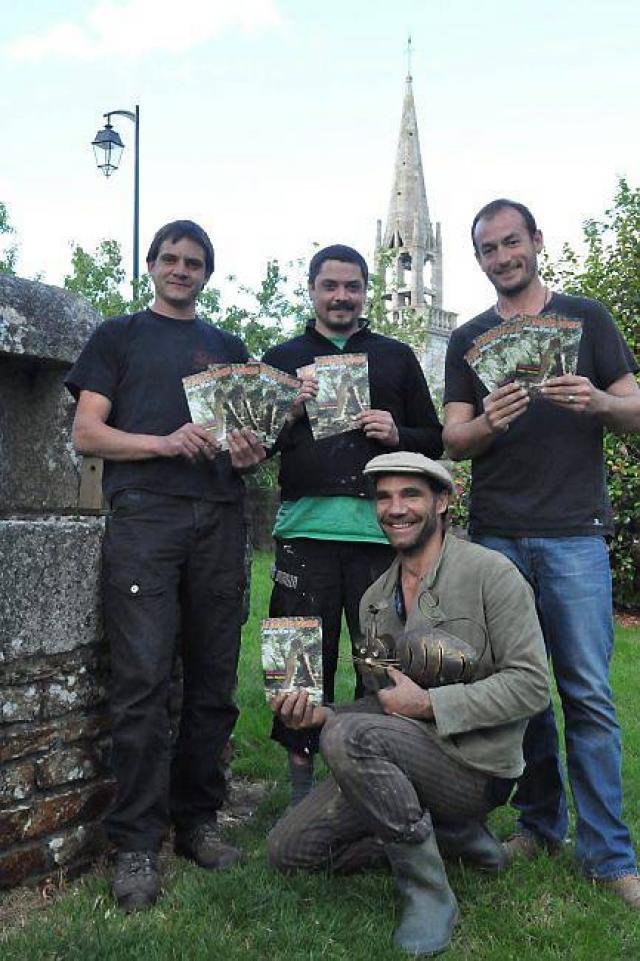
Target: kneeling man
(453,654)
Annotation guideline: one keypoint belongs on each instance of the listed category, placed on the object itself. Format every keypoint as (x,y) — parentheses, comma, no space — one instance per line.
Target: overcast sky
(274,122)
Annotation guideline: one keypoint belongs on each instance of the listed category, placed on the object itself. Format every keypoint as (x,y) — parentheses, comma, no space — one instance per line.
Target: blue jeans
(571,578)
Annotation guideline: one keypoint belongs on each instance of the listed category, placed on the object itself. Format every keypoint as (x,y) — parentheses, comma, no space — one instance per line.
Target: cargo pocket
(140,613)
(135,584)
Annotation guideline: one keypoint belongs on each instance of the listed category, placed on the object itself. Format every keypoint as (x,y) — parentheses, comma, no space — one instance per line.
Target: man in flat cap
(453,656)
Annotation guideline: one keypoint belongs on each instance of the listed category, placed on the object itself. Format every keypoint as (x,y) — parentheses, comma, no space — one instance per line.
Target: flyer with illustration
(292,655)
(343,393)
(229,397)
(526,350)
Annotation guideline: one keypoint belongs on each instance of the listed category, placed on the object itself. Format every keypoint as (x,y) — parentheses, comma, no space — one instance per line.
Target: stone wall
(54,739)
(55,782)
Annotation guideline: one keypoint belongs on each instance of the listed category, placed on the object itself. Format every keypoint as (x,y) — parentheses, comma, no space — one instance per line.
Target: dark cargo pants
(321,579)
(169,563)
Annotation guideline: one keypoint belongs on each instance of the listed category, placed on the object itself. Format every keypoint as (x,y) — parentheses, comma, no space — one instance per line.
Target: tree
(8,256)
(610,272)
(277,309)
(410,326)
(99,277)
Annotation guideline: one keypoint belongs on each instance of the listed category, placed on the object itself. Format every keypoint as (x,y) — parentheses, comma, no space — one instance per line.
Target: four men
(417,763)
(329,547)
(539,496)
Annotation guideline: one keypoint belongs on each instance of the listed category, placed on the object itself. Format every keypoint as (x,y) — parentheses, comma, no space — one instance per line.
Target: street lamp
(107,147)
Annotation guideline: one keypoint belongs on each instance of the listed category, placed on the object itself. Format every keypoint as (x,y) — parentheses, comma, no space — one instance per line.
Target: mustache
(341,305)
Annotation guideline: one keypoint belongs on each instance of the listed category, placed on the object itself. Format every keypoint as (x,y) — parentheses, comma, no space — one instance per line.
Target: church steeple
(408,221)
(409,231)
(409,249)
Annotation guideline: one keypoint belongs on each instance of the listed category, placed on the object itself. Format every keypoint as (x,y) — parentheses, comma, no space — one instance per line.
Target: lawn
(533,912)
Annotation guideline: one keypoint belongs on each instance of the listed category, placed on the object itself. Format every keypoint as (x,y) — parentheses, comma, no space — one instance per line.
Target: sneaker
(202,844)
(626,888)
(136,882)
(529,847)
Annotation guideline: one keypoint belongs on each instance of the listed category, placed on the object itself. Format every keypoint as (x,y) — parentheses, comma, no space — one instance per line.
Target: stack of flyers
(343,393)
(279,390)
(292,655)
(526,350)
(232,396)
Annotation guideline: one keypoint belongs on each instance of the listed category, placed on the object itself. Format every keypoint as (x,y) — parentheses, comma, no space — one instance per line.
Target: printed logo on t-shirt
(597,522)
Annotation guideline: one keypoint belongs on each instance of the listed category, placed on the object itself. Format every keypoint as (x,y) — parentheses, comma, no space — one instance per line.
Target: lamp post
(107,147)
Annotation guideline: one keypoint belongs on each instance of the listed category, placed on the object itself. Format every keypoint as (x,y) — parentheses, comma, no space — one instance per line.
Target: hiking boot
(529,847)
(136,882)
(202,844)
(626,888)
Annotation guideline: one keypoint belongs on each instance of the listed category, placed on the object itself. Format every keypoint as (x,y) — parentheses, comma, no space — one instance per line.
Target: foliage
(277,309)
(9,256)
(409,326)
(99,277)
(610,272)
(459,506)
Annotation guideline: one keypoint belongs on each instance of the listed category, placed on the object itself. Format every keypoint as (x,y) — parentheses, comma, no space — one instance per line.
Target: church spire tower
(409,249)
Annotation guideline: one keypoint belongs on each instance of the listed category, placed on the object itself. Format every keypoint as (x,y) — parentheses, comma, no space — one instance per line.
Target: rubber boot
(428,907)
(473,843)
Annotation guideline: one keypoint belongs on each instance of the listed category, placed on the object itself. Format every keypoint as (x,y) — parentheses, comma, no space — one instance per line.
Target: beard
(426,532)
(344,323)
(529,272)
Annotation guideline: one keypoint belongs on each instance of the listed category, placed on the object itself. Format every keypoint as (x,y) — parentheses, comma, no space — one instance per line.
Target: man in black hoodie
(329,547)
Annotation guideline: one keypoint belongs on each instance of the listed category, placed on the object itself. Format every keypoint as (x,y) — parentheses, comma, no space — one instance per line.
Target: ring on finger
(571,398)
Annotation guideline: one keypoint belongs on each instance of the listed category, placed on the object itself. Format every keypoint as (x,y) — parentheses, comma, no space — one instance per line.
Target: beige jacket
(481,597)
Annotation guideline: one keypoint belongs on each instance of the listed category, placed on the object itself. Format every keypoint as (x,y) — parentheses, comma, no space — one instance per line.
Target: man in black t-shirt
(538,494)
(173,559)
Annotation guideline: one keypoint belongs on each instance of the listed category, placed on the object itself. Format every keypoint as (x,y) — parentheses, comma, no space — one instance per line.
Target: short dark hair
(174,232)
(337,252)
(502,203)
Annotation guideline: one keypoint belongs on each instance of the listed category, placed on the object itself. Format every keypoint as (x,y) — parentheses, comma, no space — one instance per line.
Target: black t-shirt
(138,363)
(545,477)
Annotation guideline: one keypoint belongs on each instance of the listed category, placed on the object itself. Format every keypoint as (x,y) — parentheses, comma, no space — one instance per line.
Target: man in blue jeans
(538,495)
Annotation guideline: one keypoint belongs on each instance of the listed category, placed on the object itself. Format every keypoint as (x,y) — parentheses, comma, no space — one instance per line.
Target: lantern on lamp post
(107,148)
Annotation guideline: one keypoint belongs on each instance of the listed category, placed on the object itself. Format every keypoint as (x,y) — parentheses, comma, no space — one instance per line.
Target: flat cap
(406,462)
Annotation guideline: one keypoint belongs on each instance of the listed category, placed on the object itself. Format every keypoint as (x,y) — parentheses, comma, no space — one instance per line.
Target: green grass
(534,912)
